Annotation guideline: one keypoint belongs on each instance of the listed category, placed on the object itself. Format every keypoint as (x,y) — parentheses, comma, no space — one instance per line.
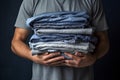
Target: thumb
(71,56)
(79,54)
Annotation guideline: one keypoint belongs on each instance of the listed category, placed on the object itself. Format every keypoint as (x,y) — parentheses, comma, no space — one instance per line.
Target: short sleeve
(25,12)
(98,16)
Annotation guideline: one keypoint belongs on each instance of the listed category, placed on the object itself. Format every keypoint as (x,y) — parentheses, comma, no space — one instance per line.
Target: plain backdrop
(13,67)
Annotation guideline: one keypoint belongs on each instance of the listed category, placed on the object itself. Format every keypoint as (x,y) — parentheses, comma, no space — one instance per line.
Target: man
(54,66)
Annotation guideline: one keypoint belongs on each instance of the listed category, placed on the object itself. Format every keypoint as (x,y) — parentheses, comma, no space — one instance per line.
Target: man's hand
(52,59)
(80,60)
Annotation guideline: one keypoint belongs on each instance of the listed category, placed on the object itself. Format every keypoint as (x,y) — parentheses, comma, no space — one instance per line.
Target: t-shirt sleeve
(25,12)
(98,16)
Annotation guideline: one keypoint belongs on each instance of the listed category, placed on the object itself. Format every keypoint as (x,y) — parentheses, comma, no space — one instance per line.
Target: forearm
(103,46)
(21,49)
(101,50)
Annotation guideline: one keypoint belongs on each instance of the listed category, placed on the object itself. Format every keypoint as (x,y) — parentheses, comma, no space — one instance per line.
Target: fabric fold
(61,32)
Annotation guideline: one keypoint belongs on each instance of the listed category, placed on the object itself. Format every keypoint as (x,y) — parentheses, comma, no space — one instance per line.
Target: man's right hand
(52,59)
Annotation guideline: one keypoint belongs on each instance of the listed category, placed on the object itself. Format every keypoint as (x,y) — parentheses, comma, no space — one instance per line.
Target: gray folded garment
(69,31)
(50,50)
(42,47)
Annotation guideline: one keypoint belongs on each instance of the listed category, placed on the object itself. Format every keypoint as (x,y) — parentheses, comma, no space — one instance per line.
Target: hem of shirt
(27,28)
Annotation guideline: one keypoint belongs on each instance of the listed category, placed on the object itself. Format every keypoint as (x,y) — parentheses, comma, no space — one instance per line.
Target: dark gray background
(13,67)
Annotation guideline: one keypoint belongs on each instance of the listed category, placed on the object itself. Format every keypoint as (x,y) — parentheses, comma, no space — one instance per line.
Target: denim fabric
(61,31)
(55,26)
(66,38)
(59,18)
(83,25)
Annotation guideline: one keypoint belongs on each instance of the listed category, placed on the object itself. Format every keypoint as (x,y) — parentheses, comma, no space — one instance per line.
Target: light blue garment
(59,18)
(42,47)
(72,38)
(56,37)
(55,26)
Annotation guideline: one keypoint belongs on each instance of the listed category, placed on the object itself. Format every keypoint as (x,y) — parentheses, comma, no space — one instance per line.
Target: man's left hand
(80,60)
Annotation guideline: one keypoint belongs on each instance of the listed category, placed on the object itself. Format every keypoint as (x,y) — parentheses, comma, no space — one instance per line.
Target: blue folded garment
(61,31)
(66,38)
(59,18)
(41,47)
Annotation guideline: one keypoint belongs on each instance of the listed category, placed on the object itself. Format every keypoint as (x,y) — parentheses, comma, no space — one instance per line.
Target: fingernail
(58,52)
(46,53)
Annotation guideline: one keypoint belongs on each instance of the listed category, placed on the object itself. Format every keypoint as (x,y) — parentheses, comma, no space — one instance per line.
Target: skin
(78,60)
(82,60)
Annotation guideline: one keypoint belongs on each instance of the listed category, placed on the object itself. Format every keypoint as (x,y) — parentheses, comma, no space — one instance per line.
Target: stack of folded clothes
(61,32)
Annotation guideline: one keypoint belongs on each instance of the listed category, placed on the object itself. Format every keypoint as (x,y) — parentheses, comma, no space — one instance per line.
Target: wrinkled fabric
(59,18)
(62,47)
(67,31)
(55,26)
(66,38)
(60,34)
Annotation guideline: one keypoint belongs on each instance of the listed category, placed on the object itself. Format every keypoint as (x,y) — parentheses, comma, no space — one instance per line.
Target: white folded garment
(83,46)
(71,31)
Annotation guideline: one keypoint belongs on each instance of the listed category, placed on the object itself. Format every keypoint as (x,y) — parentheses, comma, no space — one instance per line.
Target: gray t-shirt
(30,8)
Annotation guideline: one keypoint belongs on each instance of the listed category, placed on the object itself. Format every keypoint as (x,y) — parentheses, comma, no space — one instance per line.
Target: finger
(51,55)
(69,63)
(79,54)
(47,53)
(52,60)
(57,63)
(72,62)
(71,56)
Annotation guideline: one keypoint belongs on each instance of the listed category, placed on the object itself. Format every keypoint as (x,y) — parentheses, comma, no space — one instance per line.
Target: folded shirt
(40,48)
(61,32)
(88,31)
(84,46)
(59,17)
(66,38)
(55,26)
